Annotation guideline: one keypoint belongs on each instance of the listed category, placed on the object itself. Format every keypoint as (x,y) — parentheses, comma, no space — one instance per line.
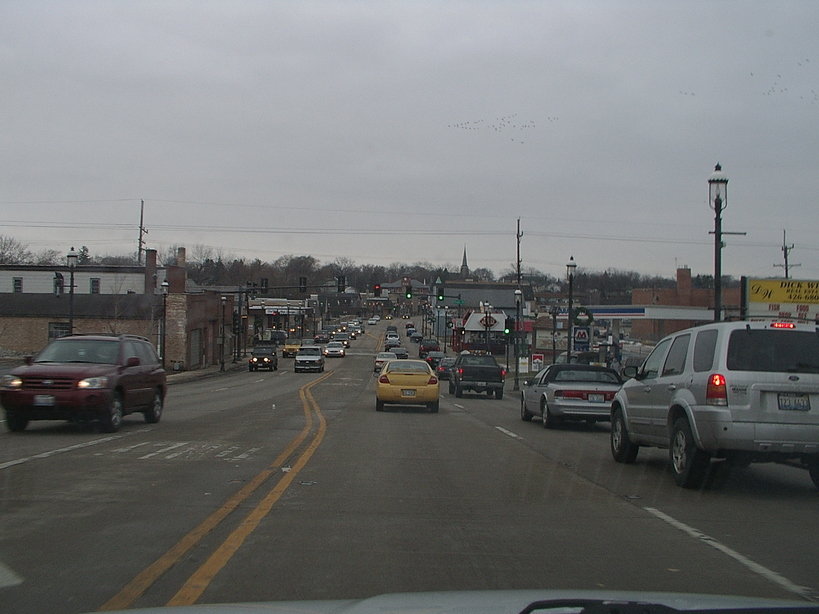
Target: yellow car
(291,348)
(407,382)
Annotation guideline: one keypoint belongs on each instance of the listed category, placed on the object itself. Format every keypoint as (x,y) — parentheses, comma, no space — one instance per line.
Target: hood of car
(77,370)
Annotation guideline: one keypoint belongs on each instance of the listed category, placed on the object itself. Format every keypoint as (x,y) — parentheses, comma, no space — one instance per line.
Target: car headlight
(93,383)
(11,382)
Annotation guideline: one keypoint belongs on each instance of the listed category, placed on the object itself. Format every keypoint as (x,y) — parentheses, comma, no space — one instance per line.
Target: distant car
(388,317)
(407,382)
(344,338)
(428,345)
(400,352)
(444,367)
(309,358)
(569,392)
(392,342)
(381,358)
(82,378)
(433,358)
(321,337)
(372,321)
(416,337)
(334,349)
(291,346)
(263,357)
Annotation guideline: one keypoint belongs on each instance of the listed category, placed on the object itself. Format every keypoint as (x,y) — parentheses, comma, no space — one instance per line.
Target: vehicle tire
(111,420)
(689,464)
(379,405)
(813,470)
(15,422)
(525,414)
(433,407)
(498,393)
(458,392)
(154,412)
(622,449)
(549,421)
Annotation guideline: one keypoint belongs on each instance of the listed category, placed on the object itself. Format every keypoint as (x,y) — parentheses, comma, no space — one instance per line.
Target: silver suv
(741,392)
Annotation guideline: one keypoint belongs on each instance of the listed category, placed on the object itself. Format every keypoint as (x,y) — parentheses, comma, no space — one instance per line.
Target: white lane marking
(770,575)
(508,433)
(459,406)
(165,449)
(221,389)
(85,444)
(129,448)
(8,577)
(245,454)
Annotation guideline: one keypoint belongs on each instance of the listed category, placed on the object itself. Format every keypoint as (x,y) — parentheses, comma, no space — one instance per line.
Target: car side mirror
(630,371)
(28,360)
(133,361)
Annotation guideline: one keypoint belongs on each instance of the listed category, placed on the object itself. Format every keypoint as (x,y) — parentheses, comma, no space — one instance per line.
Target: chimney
(180,257)
(684,285)
(150,271)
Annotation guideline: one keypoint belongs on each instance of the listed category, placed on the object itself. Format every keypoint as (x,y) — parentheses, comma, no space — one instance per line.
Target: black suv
(83,378)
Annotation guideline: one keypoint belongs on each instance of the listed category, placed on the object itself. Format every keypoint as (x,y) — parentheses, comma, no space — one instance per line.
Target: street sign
(582,336)
(488,321)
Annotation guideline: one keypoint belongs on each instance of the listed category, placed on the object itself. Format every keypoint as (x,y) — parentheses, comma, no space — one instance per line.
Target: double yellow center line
(201,578)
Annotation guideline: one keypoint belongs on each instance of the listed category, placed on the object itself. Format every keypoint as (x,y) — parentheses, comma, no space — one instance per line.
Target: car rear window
(773,351)
(598,377)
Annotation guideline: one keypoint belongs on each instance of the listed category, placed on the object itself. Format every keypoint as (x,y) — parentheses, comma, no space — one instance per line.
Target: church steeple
(464,266)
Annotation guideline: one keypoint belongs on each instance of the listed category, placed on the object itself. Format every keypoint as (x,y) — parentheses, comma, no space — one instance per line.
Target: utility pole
(786,250)
(142,232)
(518,236)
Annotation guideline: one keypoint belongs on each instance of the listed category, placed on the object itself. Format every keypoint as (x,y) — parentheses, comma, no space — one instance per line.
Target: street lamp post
(570,268)
(222,348)
(718,201)
(72,259)
(518,298)
(553,311)
(164,285)
(487,313)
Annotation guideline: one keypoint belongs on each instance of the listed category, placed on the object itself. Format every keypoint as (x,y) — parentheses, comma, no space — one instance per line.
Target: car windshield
(309,352)
(80,350)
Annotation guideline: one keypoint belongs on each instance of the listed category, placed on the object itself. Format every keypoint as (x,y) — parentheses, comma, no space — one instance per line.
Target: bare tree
(13,252)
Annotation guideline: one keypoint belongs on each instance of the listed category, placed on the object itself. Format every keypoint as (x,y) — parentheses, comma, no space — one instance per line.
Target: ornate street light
(518,299)
(72,257)
(718,201)
(570,269)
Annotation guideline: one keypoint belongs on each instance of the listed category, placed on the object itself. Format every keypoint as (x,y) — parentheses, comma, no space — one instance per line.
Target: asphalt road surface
(280,486)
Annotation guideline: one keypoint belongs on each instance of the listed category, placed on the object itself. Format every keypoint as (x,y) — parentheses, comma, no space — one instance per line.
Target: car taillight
(460,370)
(570,394)
(383,380)
(503,372)
(783,325)
(432,380)
(716,393)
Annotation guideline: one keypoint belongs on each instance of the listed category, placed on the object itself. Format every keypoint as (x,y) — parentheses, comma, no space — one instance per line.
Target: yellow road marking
(147,577)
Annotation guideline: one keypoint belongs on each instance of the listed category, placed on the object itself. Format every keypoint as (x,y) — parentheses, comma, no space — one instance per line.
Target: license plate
(597,398)
(794,401)
(44,400)
(407,393)
(479,383)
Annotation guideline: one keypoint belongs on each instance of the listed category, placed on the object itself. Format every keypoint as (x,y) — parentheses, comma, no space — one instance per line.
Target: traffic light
(342,283)
(440,294)
(377,290)
(302,284)
(508,326)
(408,292)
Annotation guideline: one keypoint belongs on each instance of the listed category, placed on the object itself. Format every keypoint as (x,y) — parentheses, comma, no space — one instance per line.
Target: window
(18,284)
(56,330)
(704,348)
(95,285)
(651,367)
(675,363)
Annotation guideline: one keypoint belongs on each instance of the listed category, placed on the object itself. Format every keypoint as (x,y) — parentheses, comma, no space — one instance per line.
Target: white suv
(741,392)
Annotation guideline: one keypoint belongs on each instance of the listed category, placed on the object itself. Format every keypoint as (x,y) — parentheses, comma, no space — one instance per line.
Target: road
(280,486)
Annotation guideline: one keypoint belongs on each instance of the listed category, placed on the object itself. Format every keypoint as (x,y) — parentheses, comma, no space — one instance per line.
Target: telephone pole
(786,250)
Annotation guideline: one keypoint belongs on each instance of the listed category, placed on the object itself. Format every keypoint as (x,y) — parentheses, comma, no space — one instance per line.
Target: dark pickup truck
(476,372)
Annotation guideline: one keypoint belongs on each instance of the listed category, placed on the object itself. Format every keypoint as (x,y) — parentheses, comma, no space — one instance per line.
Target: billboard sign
(783,298)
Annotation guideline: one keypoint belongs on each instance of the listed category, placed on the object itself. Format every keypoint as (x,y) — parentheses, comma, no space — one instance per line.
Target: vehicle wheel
(154,413)
(622,449)
(433,407)
(688,463)
(379,405)
(458,392)
(549,421)
(813,470)
(15,423)
(525,414)
(112,419)
(498,393)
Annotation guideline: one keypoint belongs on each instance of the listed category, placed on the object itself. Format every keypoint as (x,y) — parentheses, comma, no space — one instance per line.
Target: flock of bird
(508,125)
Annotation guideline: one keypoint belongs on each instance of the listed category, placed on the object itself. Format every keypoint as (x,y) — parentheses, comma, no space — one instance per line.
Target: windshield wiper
(611,606)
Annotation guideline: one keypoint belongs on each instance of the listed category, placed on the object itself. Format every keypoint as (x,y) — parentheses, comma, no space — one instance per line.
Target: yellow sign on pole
(783,298)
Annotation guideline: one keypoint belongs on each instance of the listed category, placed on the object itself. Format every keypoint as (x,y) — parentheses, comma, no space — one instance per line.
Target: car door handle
(672,387)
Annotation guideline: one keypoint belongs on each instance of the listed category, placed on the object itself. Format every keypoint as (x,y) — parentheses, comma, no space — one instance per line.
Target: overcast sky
(405,131)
